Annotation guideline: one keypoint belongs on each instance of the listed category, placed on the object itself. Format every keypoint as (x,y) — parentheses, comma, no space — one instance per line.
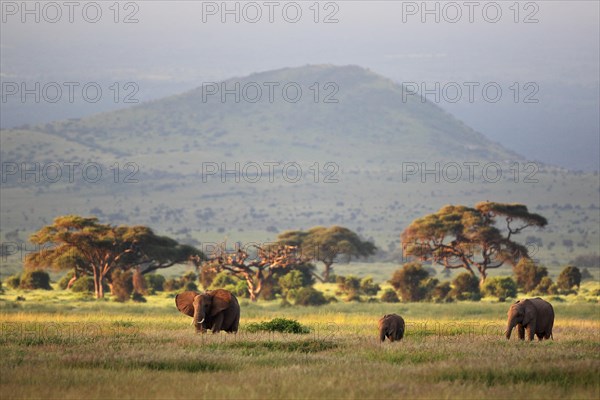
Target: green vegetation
(501,287)
(470,238)
(528,274)
(569,278)
(56,344)
(278,325)
(328,245)
(104,251)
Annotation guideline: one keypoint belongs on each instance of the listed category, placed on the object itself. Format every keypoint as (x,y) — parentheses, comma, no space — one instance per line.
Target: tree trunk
(482,276)
(253,291)
(71,281)
(98,289)
(326,272)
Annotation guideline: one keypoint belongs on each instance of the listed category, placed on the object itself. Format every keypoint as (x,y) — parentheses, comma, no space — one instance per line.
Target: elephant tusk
(201,321)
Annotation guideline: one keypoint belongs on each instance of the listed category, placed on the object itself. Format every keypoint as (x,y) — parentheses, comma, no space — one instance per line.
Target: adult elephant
(534,315)
(391,326)
(214,309)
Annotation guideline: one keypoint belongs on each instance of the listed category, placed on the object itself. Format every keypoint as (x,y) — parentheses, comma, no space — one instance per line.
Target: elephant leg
(217,323)
(540,336)
(236,324)
(530,331)
(521,331)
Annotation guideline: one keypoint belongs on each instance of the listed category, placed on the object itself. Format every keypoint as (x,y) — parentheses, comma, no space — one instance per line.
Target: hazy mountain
(320,145)
(341,114)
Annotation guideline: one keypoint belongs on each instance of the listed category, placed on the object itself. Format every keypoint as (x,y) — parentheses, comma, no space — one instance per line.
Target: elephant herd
(218,310)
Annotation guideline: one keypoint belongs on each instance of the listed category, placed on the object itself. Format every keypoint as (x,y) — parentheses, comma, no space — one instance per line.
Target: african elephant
(534,315)
(391,326)
(214,309)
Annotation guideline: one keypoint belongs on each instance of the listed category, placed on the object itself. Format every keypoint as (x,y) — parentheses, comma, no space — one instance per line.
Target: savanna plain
(62,345)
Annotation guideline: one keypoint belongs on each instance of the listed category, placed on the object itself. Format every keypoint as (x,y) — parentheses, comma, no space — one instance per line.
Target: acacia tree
(256,269)
(96,249)
(328,245)
(464,237)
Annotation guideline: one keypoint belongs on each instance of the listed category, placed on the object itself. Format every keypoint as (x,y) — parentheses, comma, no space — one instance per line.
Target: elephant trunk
(511,325)
(198,316)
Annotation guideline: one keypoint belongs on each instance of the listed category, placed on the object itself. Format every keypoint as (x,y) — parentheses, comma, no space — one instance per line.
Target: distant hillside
(373,121)
(354,157)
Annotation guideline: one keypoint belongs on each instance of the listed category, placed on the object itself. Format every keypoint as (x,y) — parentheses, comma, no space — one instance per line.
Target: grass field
(59,345)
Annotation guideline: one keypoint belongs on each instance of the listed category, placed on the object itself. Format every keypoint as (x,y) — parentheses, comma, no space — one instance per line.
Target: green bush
(241,289)
(223,279)
(85,284)
(389,296)
(191,286)
(501,287)
(466,287)
(569,277)
(292,281)
(368,287)
(122,285)
(441,292)
(270,289)
(189,276)
(528,274)
(207,276)
(309,296)
(544,285)
(138,297)
(283,325)
(64,281)
(13,281)
(411,281)
(155,282)
(172,285)
(36,279)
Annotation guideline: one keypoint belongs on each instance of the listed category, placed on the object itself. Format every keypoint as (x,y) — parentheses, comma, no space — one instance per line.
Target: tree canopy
(328,245)
(465,237)
(92,248)
(255,269)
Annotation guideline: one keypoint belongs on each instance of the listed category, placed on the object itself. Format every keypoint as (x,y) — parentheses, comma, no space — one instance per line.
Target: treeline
(411,283)
(124,260)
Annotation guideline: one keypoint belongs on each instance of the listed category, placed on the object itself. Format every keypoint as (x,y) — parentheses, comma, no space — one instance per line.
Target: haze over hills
(309,113)
(319,145)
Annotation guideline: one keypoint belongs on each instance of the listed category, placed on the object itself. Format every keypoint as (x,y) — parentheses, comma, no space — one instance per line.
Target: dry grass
(108,350)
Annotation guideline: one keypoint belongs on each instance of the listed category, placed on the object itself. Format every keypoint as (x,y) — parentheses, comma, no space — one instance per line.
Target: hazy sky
(173,46)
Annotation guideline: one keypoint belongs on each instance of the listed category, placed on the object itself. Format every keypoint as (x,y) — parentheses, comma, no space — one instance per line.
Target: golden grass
(80,349)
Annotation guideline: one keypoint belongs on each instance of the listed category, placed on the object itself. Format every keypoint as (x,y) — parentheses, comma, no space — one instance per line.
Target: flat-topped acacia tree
(465,237)
(328,245)
(96,249)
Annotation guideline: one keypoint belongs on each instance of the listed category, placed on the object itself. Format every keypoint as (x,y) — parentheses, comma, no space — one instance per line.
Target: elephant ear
(221,300)
(530,313)
(185,302)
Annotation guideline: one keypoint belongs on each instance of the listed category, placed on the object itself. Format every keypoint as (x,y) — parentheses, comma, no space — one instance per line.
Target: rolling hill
(320,145)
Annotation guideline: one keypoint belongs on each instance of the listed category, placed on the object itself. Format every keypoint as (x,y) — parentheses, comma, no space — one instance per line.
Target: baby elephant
(536,316)
(391,326)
